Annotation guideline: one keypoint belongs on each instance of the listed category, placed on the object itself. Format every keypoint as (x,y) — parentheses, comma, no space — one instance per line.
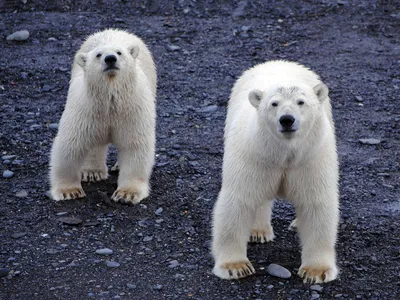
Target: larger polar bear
(279,143)
(111,99)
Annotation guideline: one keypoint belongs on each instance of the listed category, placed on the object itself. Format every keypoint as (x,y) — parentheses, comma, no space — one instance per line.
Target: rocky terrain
(93,248)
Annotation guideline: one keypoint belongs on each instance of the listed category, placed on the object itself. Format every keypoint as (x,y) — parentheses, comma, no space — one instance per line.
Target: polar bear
(111,99)
(279,143)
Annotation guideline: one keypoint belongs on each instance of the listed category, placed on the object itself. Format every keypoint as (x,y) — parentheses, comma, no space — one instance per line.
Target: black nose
(286,121)
(110,59)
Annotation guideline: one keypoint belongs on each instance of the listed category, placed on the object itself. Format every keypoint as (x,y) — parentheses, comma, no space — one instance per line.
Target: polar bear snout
(111,63)
(288,123)
(110,60)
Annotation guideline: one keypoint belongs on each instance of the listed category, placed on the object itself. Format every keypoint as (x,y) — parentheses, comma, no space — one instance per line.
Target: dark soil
(353,45)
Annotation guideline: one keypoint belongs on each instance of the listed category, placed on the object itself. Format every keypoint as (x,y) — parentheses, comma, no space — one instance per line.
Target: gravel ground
(159,249)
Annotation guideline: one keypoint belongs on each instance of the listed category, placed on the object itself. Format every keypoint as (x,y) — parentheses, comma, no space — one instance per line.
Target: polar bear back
(124,39)
(264,76)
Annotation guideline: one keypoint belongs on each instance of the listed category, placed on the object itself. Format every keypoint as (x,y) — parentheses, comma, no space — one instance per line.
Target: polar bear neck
(109,90)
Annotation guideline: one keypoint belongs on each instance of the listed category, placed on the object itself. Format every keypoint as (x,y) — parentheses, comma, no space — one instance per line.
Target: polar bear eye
(119,53)
(274,104)
(98,55)
(300,102)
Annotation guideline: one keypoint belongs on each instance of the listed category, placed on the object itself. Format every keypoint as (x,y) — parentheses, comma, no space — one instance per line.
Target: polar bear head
(108,61)
(289,110)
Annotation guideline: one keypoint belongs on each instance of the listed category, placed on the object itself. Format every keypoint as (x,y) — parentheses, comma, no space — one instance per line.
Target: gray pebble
(315,296)
(278,271)
(179,276)
(173,264)
(70,220)
(53,126)
(208,109)
(112,264)
(18,235)
(131,286)
(8,157)
(21,35)
(369,141)
(104,251)
(316,287)
(359,99)
(17,162)
(21,194)
(157,287)
(159,211)
(173,48)
(8,174)
(147,239)
(270,287)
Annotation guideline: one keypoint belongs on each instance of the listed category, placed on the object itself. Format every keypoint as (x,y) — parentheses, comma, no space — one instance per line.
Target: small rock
(70,220)
(18,235)
(173,48)
(315,296)
(4,272)
(159,211)
(8,157)
(131,286)
(21,194)
(52,39)
(157,287)
(179,276)
(208,109)
(369,141)
(270,287)
(17,162)
(8,174)
(338,295)
(142,223)
(112,264)
(53,126)
(173,264)
(21,35)
(147,239)
(278,271)
(176,146)
(359,99)
(316,287)
(104,251)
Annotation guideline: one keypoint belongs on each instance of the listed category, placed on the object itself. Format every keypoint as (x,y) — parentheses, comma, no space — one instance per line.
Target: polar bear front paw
(262,235)
(318,273)
(68,193)
(234,270)
(133,194)
(93,175)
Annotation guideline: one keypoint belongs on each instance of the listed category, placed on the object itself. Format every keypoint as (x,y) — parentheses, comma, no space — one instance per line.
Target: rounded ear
(322,91)
(255,97)
(81,59)
(134,51)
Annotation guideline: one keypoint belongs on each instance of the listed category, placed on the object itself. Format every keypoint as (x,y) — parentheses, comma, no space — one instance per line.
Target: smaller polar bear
(111,99)
(279,143)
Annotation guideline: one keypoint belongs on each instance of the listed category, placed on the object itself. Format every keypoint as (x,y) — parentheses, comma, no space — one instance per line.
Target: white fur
(261,164)
(104,107)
